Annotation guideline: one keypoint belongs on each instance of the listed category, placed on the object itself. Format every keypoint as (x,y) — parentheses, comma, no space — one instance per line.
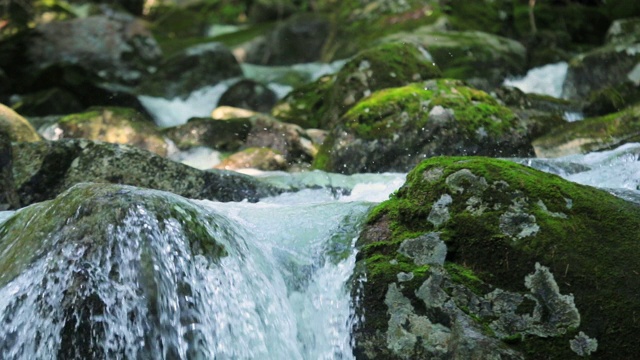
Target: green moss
(306,105)
(380,115)
(587,237)
(593,134)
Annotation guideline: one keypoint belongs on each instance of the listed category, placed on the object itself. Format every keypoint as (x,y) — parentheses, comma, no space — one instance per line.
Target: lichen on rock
(531,260)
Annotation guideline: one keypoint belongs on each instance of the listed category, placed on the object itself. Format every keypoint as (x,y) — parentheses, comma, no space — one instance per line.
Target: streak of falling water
(146,292)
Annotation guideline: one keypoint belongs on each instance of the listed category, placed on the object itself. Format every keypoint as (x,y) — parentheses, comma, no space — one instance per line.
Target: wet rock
(223,135)
(624,31)
(249,94)
(289,140)
(8,197)
(45,169)
(95,249)
(612,64)
(191,69)
(299,39)
(256,158)
(497,293)
(592,134)
(612,99)
(15,126)
(393,129)
(319,105)
(113,125)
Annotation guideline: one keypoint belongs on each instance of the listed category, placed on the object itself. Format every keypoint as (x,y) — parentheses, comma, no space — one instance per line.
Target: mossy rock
(469,55)
(356,25)
(609,65)
(476,257)
(592,134)
(114,125)
(393,129)
(95,249)
(222,135)
(319,105)
(45,169)
(624,31)
(612,99)
(15,126)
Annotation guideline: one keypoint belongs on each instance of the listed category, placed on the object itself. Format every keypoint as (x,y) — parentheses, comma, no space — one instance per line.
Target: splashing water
(281,291)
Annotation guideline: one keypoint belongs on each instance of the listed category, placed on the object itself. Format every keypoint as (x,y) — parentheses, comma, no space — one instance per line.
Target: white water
(200,103)
(281,293)
(545,80)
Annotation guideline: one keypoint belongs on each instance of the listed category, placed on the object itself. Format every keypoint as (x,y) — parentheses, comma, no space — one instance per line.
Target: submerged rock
(393,129)
(103,269)
(45,169)
(593,134)
(520,264)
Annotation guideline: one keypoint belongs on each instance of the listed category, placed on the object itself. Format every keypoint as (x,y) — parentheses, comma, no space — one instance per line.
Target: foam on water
(545,80)
(200,157)
(176,111)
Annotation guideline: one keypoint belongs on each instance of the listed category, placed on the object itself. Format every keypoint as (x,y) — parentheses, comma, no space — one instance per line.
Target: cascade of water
(279,292)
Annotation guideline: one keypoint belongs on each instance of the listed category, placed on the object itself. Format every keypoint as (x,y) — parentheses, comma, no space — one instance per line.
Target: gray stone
(427,249)
(440,211)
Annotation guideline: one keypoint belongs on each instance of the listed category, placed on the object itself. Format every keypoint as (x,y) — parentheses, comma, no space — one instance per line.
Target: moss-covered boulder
(320,104)
(592,134)
(223,135)
(482,58)
(260,158)
(103,262)
(393,129)
(43,170)
(484,258)
(15,126)
(191,69)
(8,196)
(114,125)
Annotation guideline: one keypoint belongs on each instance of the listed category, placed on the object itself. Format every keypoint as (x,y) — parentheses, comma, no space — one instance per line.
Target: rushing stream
(281,293)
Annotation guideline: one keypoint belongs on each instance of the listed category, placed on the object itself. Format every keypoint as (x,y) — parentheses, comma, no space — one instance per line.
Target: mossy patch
(593,134)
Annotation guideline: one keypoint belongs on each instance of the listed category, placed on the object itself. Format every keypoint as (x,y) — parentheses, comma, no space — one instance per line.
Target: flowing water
(281,293)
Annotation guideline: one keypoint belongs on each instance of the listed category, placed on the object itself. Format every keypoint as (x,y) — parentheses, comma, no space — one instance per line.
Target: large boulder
(320,104)
(15,126)
(393,129)
(116,47)
(593,134)
(114,125)
(103,269)
(478,258)
(478,57)
(43,170)
(191,69)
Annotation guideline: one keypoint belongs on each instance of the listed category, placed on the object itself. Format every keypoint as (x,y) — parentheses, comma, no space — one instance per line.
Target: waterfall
(278,290)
